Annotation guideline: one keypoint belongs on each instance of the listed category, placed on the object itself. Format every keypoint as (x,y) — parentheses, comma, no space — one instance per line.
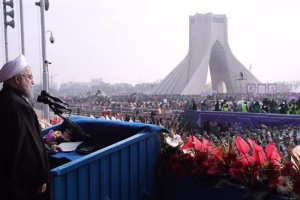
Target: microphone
(46,100)
(44,93)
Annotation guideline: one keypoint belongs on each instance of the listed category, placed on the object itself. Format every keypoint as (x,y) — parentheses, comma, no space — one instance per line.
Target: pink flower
(272,154)
(218,152)
(50,137)
(193,143)
(258,154)
(206,145)
(246,159)
(242,145)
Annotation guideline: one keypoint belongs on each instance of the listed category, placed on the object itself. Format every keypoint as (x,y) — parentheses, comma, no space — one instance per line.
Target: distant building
(208,47)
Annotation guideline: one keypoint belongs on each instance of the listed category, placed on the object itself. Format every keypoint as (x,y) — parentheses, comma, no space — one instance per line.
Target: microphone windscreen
(40,99)
(44,93)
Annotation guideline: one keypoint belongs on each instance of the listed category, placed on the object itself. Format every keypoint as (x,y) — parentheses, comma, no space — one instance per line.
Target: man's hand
(41,189)
(55,149)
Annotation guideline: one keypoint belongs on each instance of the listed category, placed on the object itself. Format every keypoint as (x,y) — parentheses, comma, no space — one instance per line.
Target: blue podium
(124,169)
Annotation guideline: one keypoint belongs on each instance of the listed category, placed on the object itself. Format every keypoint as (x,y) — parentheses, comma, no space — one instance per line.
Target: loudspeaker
(10,13)
(9,3)
(10,23)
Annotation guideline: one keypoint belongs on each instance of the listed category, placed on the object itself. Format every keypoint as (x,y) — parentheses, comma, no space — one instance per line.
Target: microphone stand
(92,143)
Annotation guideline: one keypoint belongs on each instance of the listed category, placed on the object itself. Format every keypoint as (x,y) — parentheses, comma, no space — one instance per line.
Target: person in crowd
(225,106)
(295,140)
(217,106)
(264,108)
(127,117)
(273,106)
(234,107)
(292,107)
(283,107)
(256,107)
(194,105)
(265,101)
(24,169)
(226,126)
(206,125)
(204,107)
(245,107)
(222,103)
(298,106)
(188,105)
(251,107)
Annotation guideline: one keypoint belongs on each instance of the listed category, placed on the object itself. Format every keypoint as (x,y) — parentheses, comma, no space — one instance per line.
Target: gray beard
(26,91)
(28,94)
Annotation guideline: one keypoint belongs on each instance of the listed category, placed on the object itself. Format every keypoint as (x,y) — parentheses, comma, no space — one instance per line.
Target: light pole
(22,26)
(44,5)
(11,23)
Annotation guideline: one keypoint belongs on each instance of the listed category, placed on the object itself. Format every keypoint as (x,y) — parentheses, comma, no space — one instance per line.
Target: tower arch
(208,48)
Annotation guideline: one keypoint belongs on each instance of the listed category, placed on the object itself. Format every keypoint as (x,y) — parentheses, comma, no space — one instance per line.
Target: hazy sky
(142,41)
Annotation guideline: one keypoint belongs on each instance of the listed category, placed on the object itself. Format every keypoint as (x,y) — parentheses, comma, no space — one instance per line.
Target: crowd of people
(264,106)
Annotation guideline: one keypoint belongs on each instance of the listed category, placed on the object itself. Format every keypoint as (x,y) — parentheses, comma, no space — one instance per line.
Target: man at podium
(24,169)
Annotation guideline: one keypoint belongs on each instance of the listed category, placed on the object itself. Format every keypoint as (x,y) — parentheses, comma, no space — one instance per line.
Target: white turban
(12,68)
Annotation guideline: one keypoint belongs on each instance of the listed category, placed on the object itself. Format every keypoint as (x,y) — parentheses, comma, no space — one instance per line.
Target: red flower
(237,170)
(173,160)
(253,173)
(271,172)
(296,186)
(178,171)
(188,161)
(199,159)
(211,161)
(230,157)
(273,181)
(288,169)
(216,169)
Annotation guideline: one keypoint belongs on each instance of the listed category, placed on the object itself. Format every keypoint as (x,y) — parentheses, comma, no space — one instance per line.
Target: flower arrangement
(240,161)
(57,137)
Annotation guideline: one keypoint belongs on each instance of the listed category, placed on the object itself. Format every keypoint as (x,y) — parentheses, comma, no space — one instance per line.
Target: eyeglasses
(30,77)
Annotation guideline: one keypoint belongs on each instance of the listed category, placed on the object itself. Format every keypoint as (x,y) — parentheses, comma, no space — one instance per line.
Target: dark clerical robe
(24,160)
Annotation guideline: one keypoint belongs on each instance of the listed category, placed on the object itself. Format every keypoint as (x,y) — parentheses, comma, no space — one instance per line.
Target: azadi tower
(208,47)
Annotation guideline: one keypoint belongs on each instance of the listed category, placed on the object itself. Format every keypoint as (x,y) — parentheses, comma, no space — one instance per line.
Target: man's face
(26,83)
